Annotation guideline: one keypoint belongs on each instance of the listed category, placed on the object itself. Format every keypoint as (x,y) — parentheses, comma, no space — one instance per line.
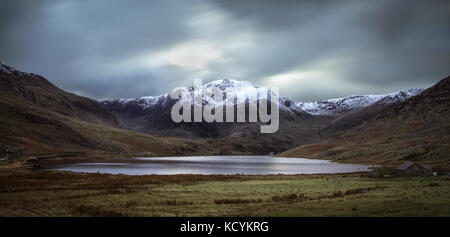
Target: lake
(250,165)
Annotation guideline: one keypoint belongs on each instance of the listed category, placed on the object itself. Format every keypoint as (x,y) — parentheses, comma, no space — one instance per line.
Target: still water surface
(250,165)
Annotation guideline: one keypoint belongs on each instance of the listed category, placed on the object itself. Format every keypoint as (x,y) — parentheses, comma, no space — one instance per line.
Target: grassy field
(30,192)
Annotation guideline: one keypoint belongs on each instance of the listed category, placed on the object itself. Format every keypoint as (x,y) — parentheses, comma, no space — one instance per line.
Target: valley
(42,123)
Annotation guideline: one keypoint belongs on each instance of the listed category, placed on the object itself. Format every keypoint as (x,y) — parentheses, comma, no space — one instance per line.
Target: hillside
(39,118)
(417,129)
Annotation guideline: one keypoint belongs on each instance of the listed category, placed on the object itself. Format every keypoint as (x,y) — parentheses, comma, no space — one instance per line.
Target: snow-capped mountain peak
(334,106)
(230,83)
(228,86)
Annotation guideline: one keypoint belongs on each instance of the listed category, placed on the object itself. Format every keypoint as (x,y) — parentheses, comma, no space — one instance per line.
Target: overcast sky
(109,49)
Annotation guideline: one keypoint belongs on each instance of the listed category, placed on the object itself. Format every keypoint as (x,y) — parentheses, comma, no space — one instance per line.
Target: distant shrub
(117,191)
(337,194)
(175,203)
(287,198)
(355,191)
(236,201)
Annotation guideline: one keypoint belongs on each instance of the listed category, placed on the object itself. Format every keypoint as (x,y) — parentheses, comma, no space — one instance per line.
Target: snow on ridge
(232,87)
(145,101)
(404,94)
(346,104)
(333,106)
(223,84)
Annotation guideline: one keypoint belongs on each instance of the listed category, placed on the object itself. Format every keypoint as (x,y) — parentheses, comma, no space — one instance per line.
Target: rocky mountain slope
(417,129)
(39,118)
(300,123)
(31,90)
(152,115)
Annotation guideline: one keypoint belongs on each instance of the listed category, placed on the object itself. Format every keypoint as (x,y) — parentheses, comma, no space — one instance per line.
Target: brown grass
(236,201)
(30,192)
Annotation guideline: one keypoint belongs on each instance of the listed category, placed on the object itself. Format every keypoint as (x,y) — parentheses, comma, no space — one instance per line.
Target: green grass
(41,193)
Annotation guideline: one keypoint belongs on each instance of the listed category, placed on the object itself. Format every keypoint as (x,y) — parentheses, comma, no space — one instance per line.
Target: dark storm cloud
(77,44)
(310,49)
(379,45)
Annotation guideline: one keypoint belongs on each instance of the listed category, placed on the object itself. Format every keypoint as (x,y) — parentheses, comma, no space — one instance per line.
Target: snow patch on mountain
(232,88)
(347,104)
(144,102)
(334,106)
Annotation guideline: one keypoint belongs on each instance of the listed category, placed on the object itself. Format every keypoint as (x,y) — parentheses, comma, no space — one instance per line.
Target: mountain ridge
(334,106)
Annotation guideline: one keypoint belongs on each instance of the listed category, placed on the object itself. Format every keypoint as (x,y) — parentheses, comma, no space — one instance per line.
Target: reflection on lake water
(250,165)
